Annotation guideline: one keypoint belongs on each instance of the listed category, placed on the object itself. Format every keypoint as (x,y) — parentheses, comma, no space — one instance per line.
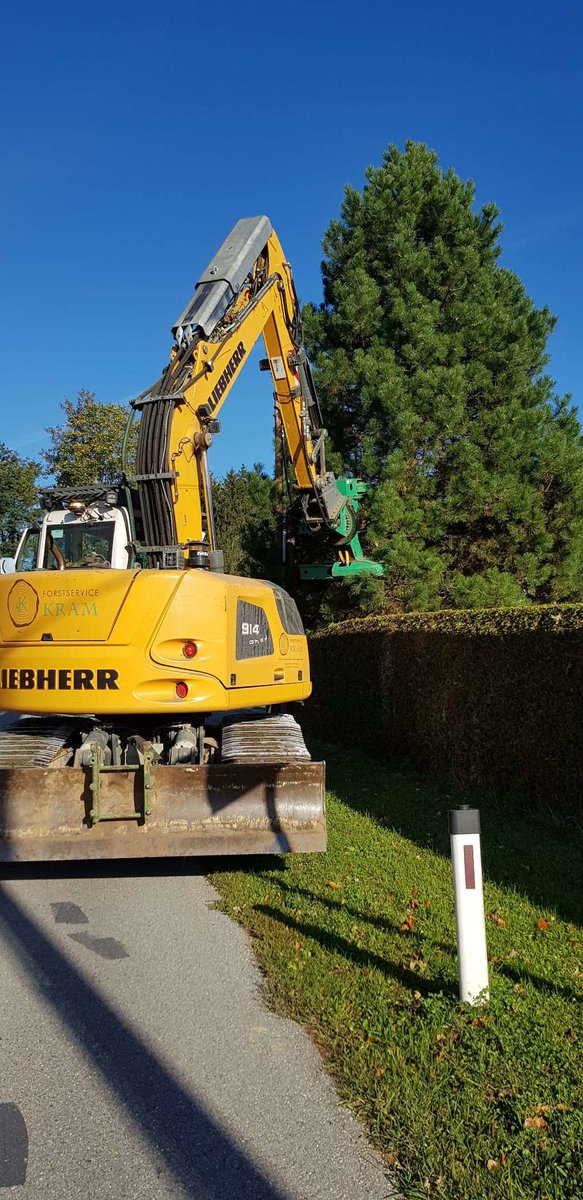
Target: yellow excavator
(160,692)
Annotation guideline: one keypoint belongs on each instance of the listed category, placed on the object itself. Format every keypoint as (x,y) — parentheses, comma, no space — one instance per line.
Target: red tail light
(181,690)
(189,649)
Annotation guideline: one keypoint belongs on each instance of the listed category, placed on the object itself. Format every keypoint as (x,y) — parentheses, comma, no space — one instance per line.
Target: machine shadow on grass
(335,942)
(364,958)
(526,849)
(200,1156)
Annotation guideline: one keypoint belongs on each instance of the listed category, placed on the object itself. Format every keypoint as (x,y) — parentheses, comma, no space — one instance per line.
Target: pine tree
(244,505)
(430,360)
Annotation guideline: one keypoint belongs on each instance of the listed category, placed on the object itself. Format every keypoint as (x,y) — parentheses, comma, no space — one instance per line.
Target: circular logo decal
(283,644)
(22,603)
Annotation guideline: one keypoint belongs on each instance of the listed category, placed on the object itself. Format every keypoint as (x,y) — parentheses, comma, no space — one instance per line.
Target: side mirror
(7,566)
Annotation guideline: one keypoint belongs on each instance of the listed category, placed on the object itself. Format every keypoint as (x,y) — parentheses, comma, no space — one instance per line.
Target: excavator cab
(83,527)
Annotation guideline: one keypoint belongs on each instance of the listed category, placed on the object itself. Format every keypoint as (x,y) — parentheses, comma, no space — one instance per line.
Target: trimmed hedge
(495,697)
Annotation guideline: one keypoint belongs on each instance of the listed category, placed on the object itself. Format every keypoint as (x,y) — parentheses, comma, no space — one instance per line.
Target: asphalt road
(136,1057)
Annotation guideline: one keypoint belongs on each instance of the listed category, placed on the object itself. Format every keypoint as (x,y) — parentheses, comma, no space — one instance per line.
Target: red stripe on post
(469,868)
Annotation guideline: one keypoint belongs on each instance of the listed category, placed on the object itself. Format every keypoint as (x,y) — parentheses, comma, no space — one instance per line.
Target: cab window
(79,545)
(28,554)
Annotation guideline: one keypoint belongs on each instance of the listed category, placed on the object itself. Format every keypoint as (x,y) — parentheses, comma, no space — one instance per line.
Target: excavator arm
(247,291)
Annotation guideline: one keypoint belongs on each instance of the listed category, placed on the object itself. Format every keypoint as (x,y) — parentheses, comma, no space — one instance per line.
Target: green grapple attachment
(351,561)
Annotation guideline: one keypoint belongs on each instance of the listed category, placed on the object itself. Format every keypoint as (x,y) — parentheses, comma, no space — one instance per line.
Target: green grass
(359,946)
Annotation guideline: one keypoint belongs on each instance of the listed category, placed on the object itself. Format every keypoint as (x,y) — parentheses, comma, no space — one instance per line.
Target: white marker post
(466,858)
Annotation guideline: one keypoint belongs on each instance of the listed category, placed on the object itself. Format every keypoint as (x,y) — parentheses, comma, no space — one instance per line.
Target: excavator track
(276,738)
(34,741)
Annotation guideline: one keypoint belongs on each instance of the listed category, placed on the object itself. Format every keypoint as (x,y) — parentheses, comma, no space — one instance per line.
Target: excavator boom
(246,292)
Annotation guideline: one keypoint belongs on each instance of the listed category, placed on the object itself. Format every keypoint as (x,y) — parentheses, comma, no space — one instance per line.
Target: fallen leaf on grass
(416,964)
(497,919)
(518,988)
(492,1164)
(408,924)
(534,1123)
(542,924)
(332,884)
(379,1071)
(513,953)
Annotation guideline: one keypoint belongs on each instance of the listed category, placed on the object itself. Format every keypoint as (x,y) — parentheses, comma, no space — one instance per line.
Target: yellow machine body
(113,642)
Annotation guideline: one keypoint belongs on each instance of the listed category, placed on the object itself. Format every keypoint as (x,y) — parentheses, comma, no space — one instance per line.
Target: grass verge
(359,946)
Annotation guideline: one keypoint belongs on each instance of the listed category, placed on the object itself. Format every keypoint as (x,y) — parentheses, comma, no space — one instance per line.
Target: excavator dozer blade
(236,808)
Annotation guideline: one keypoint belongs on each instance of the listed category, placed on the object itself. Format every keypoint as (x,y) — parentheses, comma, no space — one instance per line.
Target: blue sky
(134,134)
